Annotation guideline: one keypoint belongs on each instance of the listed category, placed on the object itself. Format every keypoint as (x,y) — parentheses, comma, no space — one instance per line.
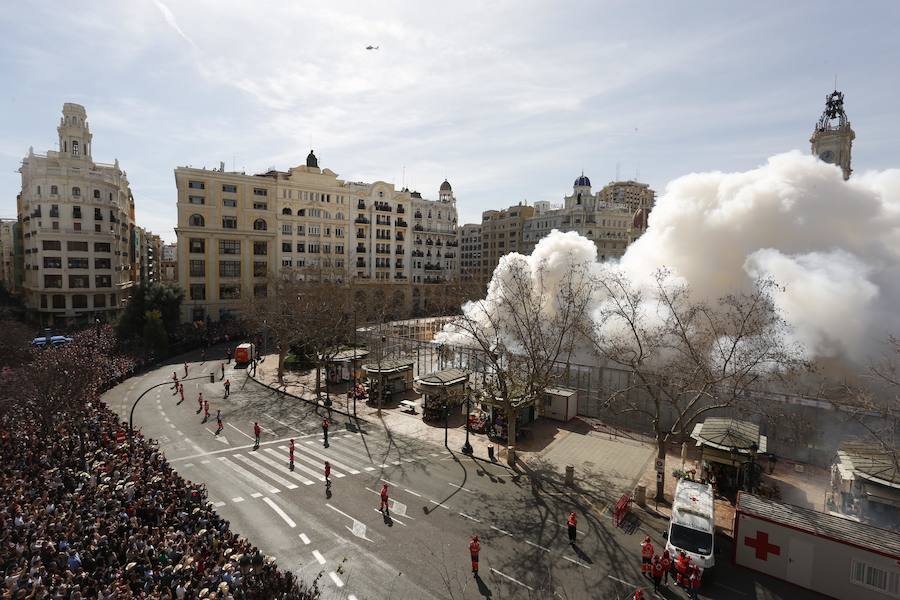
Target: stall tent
(834,556)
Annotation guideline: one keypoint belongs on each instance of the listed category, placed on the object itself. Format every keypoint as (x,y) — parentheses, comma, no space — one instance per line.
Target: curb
(313,402)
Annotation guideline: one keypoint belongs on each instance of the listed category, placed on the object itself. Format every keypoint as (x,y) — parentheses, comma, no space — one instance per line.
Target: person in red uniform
(384,499)
(474,549)
(227,387)
(256,432)
(327,473)
(175,379)
(325,431)
(573,527)
(205,410)
(199,403)
(656,572)
(666,561)
(682,568)
(646,555)
(639,594)
(185,370)
(694,582)
(181,392)
(291,454)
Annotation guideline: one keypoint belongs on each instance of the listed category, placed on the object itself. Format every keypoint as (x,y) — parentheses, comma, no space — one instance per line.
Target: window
(260,192)
(287,229)
(301,230)
(338,232)
(260,290)
(52,245)
(96,194)
(874,578)
(98,214)
(79,301)
(229,246)
(287,262)
(59,301)
(314,230)
(196,185)
(339,249)
(301,246)
(99,300)
(76,212)
(101,247)
(196,221)
(102,263)
(75,153)
(259,225)
(76,192)
(260,268)
(54,190)
(52,262)
(260,206)
(77,246)
(198,268)
(97,228)
(55,225)
(78,263)
(197,246)
(197,199)
(286,211)
(229,292)
(54,211)
(230,268)
(260,248)
(229,222)
(229,203)
(198,291)
(285,246)
(231,189)
(80,281)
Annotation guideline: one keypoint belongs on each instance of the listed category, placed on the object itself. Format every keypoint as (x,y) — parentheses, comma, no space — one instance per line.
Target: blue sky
(508,100)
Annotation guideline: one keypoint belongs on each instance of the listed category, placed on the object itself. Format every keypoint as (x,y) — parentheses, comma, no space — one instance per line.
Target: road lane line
(412,492)
(334,462)
(390,482)
(249,437)
(439,504)
(299,459)
(188,465)
(318,556)
(461,487)
(273,476)
(218,504)
(238,499)
(255,495)
(544,548)
(462,514)
(337,580)
(390,516)
(248,475)
(368,468)
(502,531)
(283,424)
(172,425)
(577,562)
(524,585)
(280,465)
(267,430)
(279,512)
(233,449)
(304,539)
(339,511)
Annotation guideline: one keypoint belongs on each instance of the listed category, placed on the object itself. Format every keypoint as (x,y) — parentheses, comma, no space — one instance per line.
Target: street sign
(120,436)
(660,465)
(659,477)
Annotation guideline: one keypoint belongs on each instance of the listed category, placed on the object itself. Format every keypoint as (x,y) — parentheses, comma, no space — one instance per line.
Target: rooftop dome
(583,181)
(445,187)
(311,160)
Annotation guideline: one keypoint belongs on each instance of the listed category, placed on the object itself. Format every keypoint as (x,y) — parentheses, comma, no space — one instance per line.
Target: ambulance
(693,524)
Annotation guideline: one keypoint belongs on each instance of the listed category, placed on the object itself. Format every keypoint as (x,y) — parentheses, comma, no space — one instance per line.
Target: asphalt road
(438,500)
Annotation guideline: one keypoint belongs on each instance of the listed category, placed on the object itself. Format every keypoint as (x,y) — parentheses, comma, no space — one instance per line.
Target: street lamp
(467,447)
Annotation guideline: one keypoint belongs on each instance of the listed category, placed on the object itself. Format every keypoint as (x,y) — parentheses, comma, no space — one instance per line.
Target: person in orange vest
(205,410)
(646,555)
(573,527)
(327,473)
(639,594)
(656,572)
(256,432)
(325,431)
(227,387)
(384,499)
(693,583)
(666,561)
(291,454)
(474,549)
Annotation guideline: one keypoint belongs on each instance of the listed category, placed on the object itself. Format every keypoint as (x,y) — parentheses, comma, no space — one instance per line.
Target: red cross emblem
(762,546)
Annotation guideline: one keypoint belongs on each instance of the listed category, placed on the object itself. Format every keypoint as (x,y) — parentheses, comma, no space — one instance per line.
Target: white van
(693,523)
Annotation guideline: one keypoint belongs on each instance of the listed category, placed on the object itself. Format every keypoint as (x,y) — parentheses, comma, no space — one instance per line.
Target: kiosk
(442,388)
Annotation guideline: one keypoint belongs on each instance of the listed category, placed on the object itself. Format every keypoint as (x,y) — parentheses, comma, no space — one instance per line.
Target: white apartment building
(77,219)
(235,231)
(435,254)
(470,251)
(612,218)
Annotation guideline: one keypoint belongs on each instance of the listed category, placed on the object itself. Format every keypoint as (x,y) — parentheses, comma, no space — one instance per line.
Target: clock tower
(832,139)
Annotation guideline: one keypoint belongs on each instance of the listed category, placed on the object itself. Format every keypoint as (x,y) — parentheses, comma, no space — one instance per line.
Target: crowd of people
(85,513)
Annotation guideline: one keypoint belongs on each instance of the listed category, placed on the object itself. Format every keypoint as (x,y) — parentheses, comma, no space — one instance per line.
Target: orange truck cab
(244,353)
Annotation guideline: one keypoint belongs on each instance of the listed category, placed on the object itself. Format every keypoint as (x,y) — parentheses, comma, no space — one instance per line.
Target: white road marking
(524,585)
(281,465)
(238,499)
(280,513)
(255,495)
(577,532)
(167,419)
(204,462)
(283,424)
(334,462)
(273,476)
(502,531)
(470,518)
(318,556)
(249,476)
(218,504)
(249,437)
(460,487)
(172,425)
(577,562)
(544,548)
(188,464)
(392,517)
(337,580)
(435,454)
(298,465)
(358,529)
(368,468)
(440,504)
(412,492)
(390,482)
(304,538)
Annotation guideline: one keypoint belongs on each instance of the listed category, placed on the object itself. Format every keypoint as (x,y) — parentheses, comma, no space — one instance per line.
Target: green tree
(155,336)
(162,298)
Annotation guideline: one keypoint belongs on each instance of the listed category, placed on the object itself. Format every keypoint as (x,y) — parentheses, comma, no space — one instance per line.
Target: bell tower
(833,137)
(74,133)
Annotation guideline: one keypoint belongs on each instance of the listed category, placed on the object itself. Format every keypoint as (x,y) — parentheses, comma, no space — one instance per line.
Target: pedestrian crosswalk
(266,471)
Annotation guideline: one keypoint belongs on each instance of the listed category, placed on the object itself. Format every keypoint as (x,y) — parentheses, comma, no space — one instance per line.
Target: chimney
(222,165)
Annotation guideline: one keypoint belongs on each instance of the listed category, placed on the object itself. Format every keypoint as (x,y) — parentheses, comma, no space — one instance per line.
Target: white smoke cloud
(834,246)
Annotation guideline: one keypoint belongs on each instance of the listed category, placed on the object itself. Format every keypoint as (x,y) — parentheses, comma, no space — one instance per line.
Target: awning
(388,366)
(444,378)
(727,434)
(349,355)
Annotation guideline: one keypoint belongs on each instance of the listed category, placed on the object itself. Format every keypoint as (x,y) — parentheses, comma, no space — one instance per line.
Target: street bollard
(212,377)
(511,455)
(491,452)
(570,475)
(640,495)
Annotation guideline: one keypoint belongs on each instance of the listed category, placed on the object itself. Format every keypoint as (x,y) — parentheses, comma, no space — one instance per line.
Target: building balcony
(400,209)
(399,264)
(360,248)
(429,243)
(418,242)
(418,227)
(361,205)
(418,253)
(432,267)
(361,220)
(382,251)
(399,237)
(360,235)
(418,214)
(383,207)
(452,243)
(360,264)
(399,276)
(399,251)
(401,223)
(439,243)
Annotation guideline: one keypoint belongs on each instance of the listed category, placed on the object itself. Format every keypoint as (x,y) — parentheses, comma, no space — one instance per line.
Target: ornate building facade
(832,139)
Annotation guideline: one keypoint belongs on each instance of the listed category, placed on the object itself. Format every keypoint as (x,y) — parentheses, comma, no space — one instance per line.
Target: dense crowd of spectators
(83,515)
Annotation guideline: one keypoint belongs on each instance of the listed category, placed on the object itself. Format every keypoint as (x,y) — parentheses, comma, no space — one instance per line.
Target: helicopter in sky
(371,47)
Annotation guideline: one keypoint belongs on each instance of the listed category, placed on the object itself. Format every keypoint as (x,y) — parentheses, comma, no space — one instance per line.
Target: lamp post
(754,448)
(467,447)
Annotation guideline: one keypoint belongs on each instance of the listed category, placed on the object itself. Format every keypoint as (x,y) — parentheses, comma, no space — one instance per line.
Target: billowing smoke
(833,244)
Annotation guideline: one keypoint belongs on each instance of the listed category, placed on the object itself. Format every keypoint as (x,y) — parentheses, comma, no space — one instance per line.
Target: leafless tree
(526,327)
(685,358)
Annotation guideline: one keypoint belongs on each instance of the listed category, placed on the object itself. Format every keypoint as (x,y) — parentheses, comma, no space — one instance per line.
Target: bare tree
(526,327)
(685,358)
